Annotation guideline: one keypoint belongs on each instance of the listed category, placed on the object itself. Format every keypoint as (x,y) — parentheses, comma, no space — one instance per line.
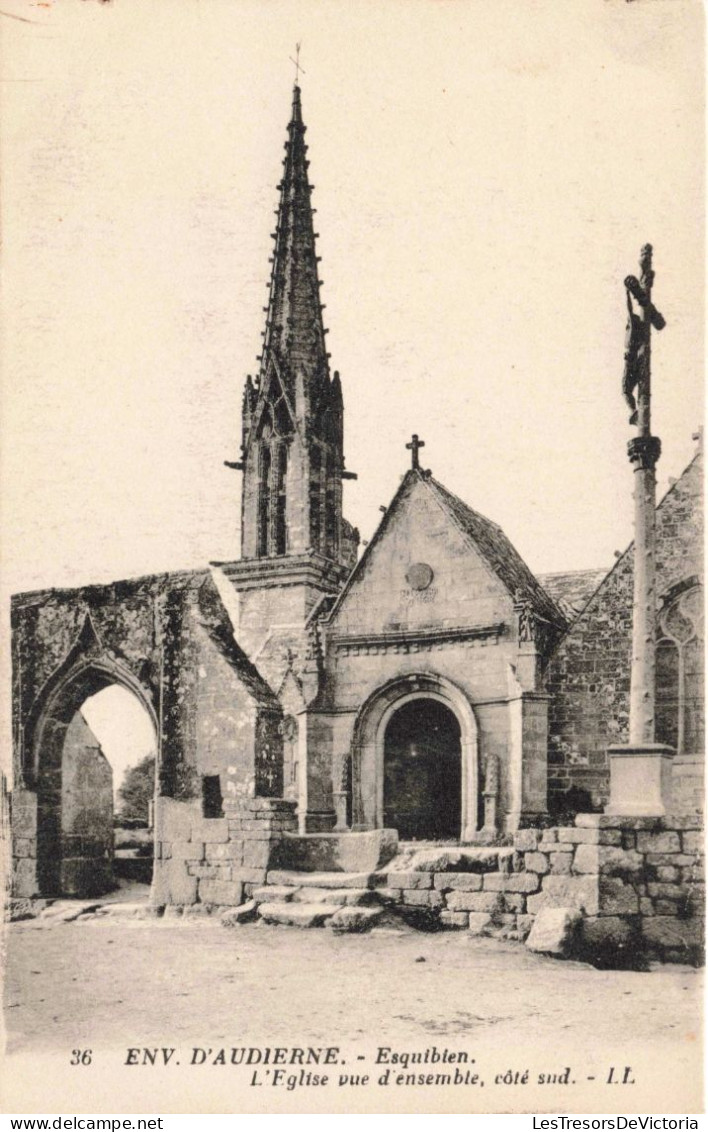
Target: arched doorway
(74,736)
(457,729)
(423,771)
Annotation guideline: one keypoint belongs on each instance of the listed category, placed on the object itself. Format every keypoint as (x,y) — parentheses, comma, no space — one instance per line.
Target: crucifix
(296,61)
(640,770)
(414,447)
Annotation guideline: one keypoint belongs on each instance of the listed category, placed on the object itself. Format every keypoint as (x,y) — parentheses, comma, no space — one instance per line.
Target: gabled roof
(487,538)
(499,554)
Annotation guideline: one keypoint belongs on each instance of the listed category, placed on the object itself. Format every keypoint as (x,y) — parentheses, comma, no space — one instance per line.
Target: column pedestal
(640,780)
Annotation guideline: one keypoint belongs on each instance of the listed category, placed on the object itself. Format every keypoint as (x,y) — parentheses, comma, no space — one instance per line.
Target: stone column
(640,771)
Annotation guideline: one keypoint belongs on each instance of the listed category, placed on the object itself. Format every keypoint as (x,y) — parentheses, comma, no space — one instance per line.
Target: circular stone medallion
(419,575)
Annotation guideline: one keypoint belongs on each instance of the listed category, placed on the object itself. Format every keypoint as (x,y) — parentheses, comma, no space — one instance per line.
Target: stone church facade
(310,705)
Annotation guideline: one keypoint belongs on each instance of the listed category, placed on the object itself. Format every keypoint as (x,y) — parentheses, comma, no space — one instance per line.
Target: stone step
(355,919)
(351,896)
(293,879)
(297,915)
(273,893)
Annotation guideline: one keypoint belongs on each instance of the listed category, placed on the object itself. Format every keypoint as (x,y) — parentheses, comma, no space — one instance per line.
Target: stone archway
(369,748)
(53,719)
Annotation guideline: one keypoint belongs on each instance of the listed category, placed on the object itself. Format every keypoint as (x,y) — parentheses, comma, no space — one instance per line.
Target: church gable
(420,570)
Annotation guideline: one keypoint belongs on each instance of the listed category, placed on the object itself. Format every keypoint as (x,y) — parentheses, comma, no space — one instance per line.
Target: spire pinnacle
(294,332)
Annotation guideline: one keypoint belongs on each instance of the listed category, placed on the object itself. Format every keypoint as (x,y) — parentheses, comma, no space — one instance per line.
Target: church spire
(292,435)
(294,333)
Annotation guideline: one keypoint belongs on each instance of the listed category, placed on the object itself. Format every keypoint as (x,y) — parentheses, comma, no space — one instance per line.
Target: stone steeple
(292,413)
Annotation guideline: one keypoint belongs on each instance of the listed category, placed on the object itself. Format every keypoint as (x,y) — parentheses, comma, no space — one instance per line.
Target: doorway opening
(423,772)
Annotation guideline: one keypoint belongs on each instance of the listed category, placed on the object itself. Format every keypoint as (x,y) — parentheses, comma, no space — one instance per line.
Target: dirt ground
(112,984)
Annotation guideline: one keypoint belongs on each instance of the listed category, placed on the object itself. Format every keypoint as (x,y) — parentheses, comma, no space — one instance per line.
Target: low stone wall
(638,883)
(216,860)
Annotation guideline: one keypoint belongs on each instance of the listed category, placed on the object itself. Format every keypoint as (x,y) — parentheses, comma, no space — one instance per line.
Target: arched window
(679,670)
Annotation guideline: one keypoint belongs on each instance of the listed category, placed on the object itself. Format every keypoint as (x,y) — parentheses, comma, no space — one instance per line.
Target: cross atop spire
(296,61)
(414,447)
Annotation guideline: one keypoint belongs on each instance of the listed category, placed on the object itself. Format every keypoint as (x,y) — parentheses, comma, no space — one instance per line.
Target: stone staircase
(341,901)
(429,882)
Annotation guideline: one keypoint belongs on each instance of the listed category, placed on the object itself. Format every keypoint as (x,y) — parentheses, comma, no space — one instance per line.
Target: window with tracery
(679,670)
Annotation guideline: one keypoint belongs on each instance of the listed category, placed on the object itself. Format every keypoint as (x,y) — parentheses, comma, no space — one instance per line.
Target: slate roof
(573,589)
(498,552)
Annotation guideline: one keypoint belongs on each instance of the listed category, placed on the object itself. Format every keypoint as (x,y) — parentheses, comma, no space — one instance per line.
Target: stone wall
(637,883)
(170,641)
(86,814)
(588,677)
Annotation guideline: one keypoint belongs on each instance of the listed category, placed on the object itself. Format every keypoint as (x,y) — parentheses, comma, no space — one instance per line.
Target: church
(313,705)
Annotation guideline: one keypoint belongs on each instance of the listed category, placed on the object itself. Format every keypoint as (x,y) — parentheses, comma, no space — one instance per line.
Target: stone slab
(272,893)
(462,860)
(297,915)
(341,852)
(355,919)
(321,880)
(352,896)
(241,915)
(553,931)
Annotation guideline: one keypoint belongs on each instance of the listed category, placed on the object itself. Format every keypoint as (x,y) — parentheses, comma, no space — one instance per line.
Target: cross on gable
(414,447)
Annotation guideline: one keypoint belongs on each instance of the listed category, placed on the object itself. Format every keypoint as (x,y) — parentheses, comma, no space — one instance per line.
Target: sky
(486,172)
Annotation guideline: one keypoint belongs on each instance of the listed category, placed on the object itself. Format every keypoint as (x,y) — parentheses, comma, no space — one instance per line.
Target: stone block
(693,841)
(515,882)
(241,915)
(554,930)
(454,919)
(560,862)
(328,880)
(171,884)
(226,851)
(526,839)
(672,891)
(607,859)
(646,907)
(210,830)
(479,923)
(581,892)
(458,882)
(617,898)
(514,902)
(474,901)
(524,925)
(677,860)
(174,820)
(297,915)
(666,874)
(256,854)
(207,872)
(669,932)
(24,877)
(616,821)
(548,837)
(220,891)
(350,919)
(24,813)
(537,863)
(270,893)
(569,835)
(606,933)
(254,876)
(188,850)
(307,895)
(410,880)
(425,898)
(658,843)
(337,852)
(389,895)
(463,860)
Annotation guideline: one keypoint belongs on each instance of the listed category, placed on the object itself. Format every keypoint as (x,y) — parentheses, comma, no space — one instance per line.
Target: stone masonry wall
(639,884)
(588,677)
